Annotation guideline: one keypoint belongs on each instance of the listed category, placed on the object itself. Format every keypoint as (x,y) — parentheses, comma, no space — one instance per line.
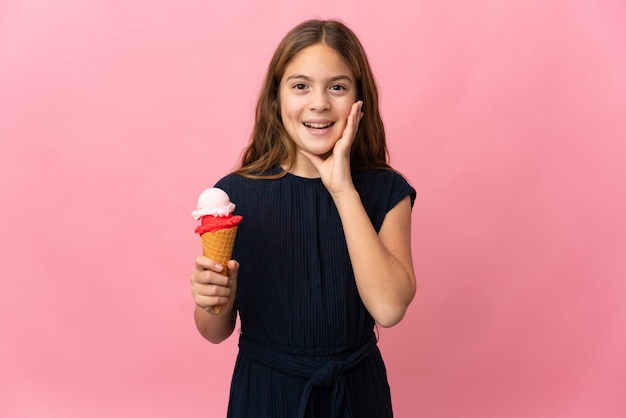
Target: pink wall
(508,117)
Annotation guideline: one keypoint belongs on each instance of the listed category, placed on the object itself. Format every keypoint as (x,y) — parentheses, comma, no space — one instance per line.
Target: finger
(233,272)
(355,116)
(213,290)
(233,269)
(209,277)
(352,124)
(208,294)
(208,302)
(205,263)
(210,291)
(356,108)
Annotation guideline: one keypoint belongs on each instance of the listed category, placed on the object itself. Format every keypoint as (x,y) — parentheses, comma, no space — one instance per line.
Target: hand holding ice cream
(219,227)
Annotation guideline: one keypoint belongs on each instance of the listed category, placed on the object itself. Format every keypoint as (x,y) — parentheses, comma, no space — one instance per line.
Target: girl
(324,250)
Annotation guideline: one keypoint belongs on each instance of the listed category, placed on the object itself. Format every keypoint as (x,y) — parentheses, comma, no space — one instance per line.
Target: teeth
(318,125)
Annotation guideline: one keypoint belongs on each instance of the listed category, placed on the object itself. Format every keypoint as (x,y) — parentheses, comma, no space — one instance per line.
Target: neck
(302,167)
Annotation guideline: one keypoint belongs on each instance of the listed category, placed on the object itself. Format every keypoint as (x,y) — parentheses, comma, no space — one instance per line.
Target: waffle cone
(218,246)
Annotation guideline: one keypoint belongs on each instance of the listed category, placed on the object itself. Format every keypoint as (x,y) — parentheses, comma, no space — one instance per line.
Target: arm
(382,263)
(211,288)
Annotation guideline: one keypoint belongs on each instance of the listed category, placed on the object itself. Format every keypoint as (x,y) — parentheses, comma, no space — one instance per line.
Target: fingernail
(219,266)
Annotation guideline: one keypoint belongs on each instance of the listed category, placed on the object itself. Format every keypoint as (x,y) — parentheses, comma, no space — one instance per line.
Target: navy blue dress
(307,344)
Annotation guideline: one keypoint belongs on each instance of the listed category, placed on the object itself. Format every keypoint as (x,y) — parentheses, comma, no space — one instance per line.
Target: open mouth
(315,125)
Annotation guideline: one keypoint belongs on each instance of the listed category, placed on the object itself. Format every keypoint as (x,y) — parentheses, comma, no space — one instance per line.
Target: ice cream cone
(218,228)
(218,246)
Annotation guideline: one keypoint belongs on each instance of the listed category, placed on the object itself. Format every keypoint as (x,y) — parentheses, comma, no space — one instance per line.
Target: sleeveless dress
(307,346)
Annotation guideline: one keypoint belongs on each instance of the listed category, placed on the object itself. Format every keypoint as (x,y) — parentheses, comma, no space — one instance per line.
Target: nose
(319,101)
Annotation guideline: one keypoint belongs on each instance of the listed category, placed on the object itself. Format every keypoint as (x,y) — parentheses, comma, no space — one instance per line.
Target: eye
(338,87)
(299,86)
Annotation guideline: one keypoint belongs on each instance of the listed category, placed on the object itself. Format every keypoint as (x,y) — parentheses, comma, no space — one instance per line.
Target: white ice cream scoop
(213,201)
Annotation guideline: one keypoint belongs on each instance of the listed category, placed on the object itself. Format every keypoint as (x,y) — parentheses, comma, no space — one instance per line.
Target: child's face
(316,94)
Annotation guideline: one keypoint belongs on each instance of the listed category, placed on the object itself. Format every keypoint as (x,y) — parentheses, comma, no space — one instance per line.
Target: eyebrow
(307,78)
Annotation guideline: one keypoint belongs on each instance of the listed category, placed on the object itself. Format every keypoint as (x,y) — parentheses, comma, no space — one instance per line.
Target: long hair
(270,143)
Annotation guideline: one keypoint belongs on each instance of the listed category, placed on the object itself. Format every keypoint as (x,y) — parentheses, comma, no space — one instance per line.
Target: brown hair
(270,144)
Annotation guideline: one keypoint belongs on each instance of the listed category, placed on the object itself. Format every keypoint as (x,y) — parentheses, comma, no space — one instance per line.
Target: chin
(323,151)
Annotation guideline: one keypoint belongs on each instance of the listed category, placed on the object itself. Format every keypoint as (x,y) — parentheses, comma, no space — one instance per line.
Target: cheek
(283,105)
(346,104)
(288,110)
(345,111)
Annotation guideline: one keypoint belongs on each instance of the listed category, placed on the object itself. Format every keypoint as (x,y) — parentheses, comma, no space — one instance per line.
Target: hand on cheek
(335,170)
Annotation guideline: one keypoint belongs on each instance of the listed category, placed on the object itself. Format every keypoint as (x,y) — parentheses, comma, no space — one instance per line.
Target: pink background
(508,117)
